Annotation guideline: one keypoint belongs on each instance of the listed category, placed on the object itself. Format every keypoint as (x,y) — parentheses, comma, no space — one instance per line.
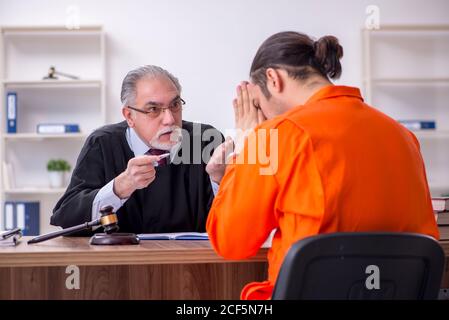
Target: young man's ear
(274,80)
(127,113)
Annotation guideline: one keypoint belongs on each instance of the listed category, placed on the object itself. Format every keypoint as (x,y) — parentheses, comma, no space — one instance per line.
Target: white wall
(209,45)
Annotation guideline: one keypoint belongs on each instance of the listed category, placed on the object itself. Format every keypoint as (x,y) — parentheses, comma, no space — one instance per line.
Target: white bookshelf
(26,54)
(34,191)
(10,84)
(406,75)
(431,134)
(43,136)
(410,81)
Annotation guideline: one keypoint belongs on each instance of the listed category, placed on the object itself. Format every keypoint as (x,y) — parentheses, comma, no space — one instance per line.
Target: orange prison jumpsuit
(342,166)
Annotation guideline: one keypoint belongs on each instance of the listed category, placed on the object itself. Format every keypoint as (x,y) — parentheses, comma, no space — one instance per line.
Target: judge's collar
(137,146)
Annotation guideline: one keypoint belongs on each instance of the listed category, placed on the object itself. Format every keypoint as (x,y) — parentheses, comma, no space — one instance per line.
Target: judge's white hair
(128,94)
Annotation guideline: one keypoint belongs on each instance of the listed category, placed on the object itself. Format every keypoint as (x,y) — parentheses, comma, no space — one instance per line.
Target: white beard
(175,139)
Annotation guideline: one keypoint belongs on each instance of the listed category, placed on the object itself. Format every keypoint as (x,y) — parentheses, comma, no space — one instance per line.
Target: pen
(162,156)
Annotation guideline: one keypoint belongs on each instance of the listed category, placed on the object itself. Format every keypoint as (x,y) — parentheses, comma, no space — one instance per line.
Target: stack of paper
(191,236)
(174,236)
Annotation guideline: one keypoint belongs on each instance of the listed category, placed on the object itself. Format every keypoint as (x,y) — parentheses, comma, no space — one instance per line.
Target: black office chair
(361,266)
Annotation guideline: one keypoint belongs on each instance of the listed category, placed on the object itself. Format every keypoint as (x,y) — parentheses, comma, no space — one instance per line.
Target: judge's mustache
(175,133)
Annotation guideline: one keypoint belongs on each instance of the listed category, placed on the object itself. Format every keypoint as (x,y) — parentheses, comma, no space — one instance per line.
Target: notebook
(174,236)
(192,236)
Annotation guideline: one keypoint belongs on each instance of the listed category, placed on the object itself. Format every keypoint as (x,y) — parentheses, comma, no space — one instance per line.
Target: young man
(335,163)
(117,165)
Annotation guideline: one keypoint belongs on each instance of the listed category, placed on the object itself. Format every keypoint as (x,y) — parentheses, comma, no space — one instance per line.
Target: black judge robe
(178,200)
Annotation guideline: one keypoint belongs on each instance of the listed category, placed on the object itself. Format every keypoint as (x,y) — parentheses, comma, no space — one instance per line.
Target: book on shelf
(418,124)
(10,237)
(23,215)
(11,112)
(49,128)
(174,236)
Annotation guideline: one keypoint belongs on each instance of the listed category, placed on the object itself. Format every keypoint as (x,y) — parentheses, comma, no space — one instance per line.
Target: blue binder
(418,124)
(57,128)
(23,215)
(11,112)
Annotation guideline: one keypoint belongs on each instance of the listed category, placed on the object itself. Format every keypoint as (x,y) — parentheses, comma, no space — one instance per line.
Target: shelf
(410,81)
(413,28)
(27,52)
(53,84)
(431,134)
(35,190)
(51,31)
(405,74)
(41,136)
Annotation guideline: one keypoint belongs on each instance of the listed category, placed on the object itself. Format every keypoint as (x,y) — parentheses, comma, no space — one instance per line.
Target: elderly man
(144,167)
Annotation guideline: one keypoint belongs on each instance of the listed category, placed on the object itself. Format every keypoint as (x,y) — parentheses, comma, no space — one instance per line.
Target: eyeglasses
(154,111)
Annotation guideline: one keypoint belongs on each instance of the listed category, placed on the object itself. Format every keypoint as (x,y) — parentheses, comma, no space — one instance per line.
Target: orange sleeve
(242,214)
(436,234)
(254,197)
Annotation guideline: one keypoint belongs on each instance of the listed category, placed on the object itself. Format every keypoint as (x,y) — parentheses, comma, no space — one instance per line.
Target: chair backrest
(361,266)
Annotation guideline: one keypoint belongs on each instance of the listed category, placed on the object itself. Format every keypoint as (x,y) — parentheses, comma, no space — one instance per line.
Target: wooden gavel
(108,221)
(52,72)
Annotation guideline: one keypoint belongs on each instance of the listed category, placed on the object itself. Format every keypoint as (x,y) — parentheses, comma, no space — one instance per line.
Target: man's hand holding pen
(139,174)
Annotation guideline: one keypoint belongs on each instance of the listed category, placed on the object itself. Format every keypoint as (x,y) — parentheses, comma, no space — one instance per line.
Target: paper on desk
(192,236)
(174,236)
(10,241)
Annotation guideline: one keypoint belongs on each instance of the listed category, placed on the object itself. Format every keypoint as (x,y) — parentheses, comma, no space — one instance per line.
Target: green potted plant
(56,169)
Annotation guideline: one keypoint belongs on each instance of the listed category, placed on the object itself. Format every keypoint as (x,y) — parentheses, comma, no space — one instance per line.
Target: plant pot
(57,179)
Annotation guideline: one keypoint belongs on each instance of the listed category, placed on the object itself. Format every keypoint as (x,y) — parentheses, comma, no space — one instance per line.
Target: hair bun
(328,53)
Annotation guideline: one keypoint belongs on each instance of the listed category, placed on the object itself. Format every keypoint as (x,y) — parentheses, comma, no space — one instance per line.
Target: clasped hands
(247,115)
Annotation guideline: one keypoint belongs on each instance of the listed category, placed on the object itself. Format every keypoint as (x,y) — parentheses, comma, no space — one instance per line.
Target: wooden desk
(151,270)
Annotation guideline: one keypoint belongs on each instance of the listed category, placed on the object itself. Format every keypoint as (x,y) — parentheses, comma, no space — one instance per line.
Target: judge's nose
(167,117)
